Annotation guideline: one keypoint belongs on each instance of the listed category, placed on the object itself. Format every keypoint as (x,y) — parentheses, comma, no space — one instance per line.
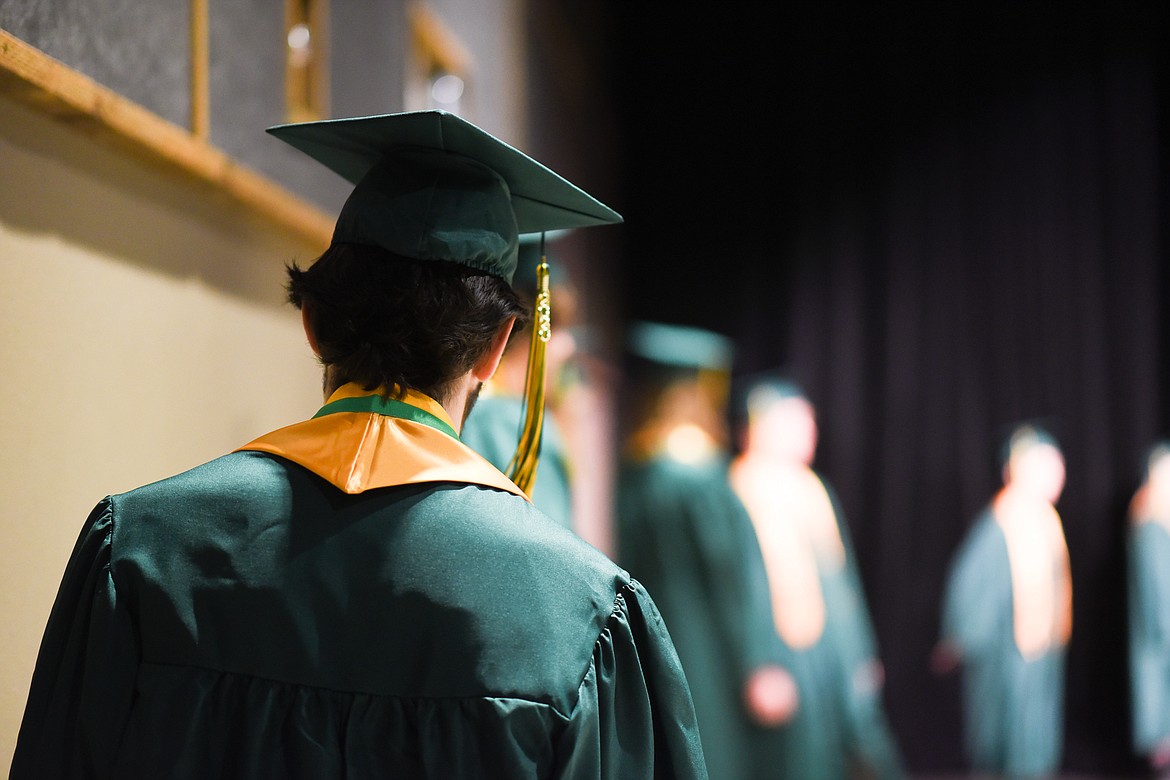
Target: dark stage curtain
(943,218)
(1000,262)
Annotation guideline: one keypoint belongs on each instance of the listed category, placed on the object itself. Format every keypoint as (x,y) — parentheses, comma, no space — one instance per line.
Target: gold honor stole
(1041,579)
(360,441)
(797,530)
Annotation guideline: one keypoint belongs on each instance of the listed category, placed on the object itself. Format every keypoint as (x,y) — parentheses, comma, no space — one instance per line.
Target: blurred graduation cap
(1020,435)
(660,359)
(752,393)
(680,346)
(1153,454)
(661,355)
(430,185)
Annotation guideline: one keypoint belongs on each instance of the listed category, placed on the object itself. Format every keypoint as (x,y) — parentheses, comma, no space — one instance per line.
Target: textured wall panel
(141,50)
(248,48)
(368,52)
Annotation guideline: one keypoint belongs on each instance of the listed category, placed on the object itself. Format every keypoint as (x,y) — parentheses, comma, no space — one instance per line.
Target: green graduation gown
(840,728)
(257,618)
(1013,707)
(1149,634)
(492,429)
(868,737)
(684,534)
(811,745)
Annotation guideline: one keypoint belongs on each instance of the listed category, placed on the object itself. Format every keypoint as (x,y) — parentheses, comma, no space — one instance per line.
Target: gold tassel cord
(522,468)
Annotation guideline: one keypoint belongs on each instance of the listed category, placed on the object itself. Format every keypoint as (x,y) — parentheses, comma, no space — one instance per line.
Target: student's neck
(461,399)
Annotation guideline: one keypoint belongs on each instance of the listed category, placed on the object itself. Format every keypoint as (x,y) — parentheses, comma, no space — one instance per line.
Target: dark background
(942,218)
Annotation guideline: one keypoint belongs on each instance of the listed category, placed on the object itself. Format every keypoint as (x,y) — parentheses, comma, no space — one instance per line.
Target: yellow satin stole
(797,530)
(1041,579)
(362,450)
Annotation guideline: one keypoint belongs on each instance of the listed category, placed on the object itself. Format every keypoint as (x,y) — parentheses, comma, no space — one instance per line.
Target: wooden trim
(319,21)
(437,45)
(306,84)
(200,70)
(30,76)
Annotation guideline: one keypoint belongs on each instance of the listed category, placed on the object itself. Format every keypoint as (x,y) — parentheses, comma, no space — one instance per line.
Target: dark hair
(385,320)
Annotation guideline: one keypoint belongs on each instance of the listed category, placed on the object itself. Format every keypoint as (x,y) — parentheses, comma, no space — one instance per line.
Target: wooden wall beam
(30,76)
(200,70)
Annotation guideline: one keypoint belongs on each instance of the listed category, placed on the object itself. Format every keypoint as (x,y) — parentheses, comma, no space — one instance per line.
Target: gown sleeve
(1149,626)
(634,716)
(867,727)
(978,591)
(83,683)
(1150,588)
(863,637)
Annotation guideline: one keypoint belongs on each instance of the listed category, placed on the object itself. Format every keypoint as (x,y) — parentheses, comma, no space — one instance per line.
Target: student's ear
(306,323)
(487,365)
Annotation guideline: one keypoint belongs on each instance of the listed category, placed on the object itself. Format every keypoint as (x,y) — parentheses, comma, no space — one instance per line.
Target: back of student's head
(382,320)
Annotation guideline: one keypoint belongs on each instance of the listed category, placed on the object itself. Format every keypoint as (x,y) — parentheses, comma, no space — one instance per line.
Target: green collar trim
(390,407)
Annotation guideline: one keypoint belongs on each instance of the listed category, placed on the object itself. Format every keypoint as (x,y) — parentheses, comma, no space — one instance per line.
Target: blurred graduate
(1148,548)
(1007,615)
(818,604)
(683,533)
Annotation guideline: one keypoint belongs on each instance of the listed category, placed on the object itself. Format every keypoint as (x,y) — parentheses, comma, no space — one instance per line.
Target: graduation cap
(430,185)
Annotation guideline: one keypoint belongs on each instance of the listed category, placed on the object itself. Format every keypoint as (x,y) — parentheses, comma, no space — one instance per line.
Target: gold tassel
(522,467)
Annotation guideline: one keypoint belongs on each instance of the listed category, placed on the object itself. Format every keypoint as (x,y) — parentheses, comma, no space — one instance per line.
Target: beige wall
(142,331)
